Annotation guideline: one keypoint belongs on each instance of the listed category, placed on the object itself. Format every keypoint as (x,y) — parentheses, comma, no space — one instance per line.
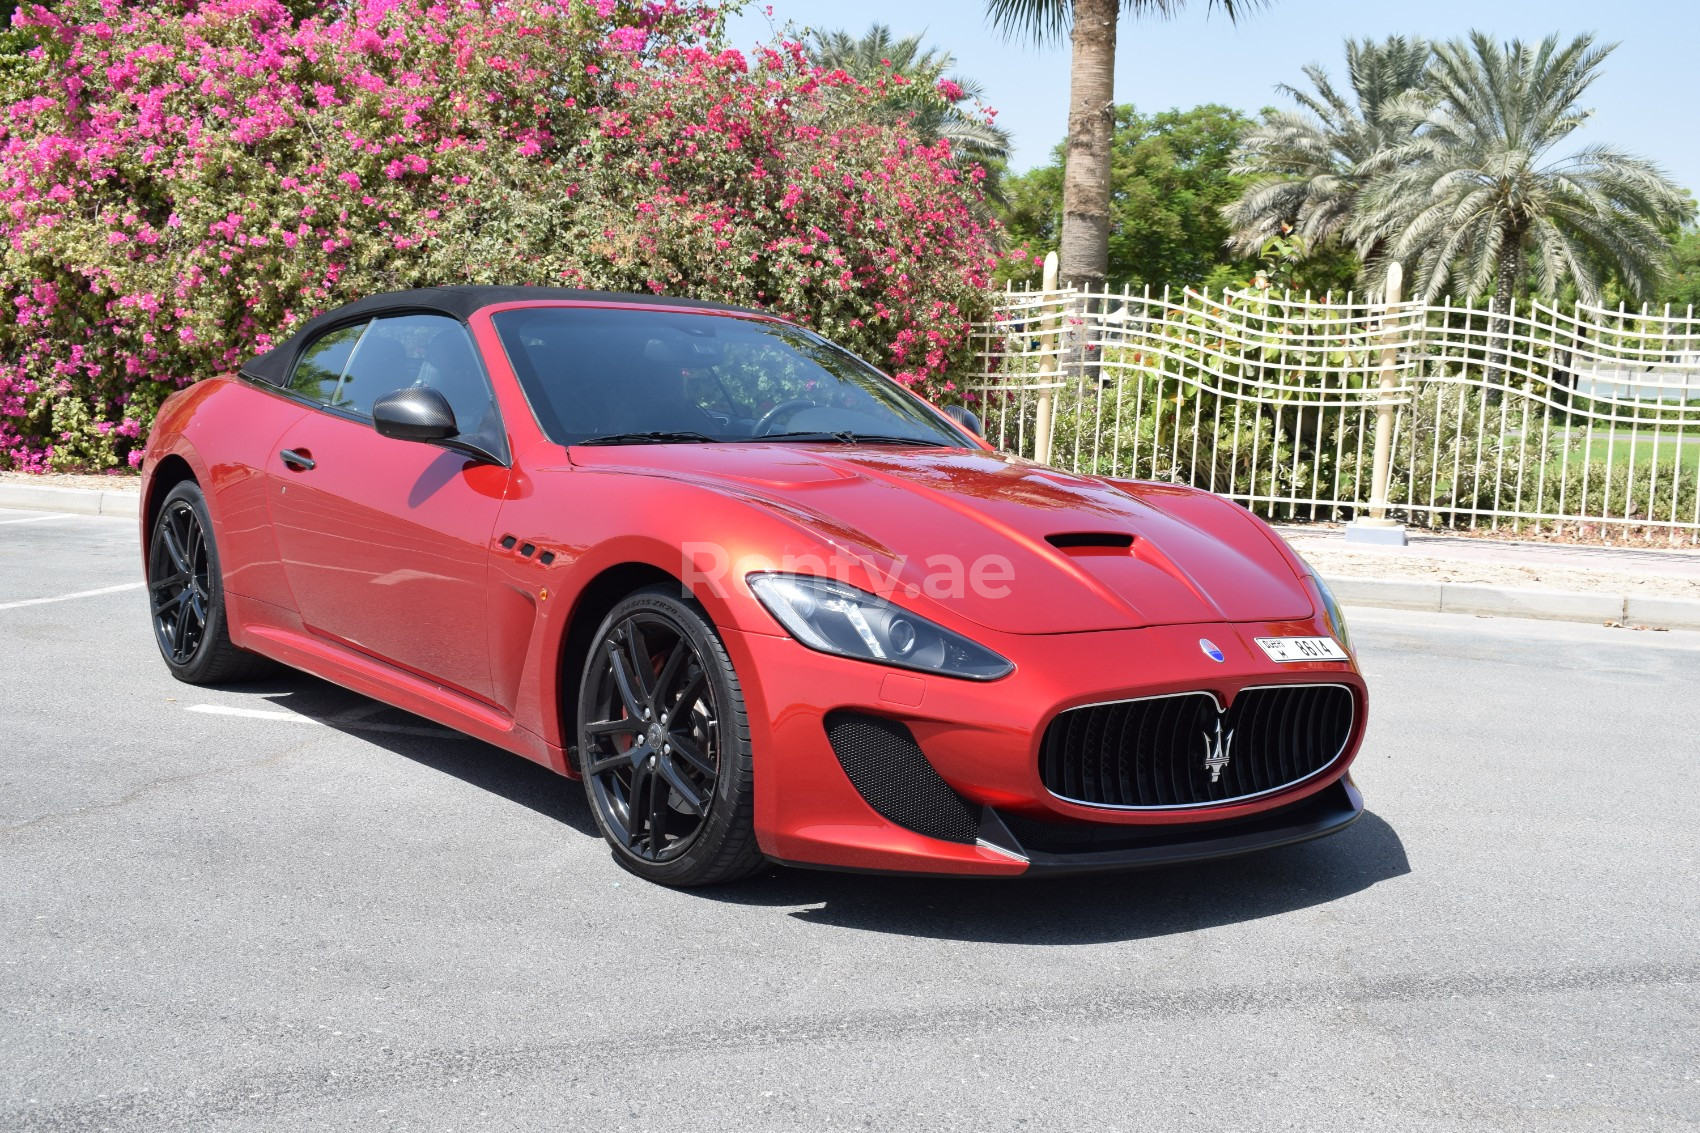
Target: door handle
(299,461)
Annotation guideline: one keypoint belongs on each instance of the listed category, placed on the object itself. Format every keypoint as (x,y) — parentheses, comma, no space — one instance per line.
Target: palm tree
(916,87)
(1308,163)
(1475,197)
(1091,28)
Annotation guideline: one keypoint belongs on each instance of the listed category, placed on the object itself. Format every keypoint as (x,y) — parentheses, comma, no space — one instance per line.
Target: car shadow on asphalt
(1045,911)
(473,762)
(1091,909)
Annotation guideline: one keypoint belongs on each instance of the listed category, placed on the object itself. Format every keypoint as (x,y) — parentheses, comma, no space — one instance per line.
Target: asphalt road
(284,907)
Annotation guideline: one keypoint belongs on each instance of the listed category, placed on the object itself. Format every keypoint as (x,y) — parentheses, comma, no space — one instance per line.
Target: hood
(1009,544)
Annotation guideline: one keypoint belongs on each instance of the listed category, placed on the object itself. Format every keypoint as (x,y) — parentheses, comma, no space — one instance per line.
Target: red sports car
(766,603)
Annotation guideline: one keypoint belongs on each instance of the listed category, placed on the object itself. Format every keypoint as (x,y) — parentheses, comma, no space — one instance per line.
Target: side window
(448,363)
(320,369)
(386,359)
(351,367)
(420,350)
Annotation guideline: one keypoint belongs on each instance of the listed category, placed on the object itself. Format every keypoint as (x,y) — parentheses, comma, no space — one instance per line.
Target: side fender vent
(888,768)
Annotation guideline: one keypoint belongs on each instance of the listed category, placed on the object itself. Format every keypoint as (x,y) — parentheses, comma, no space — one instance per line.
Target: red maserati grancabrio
(766,603)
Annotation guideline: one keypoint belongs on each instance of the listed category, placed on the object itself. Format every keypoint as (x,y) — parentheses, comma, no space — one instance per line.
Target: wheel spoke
(184,531)
(168,604)
(643,669)
(195,548)
(657,815)
(617,661)
(687,697)
(174,580)
(179,633)
(686,746)
(615,761)
(174,548)
(623,726)
(637,803)
(670,669)
(686,790)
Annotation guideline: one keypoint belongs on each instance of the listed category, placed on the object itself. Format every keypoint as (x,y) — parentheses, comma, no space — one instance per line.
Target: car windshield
(599,375)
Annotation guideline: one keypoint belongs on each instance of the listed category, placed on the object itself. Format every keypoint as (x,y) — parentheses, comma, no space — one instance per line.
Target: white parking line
(252,713)
(36,519)
(352,720)
(68,597)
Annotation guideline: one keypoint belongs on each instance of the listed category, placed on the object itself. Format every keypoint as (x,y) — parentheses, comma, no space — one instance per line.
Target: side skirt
(254,627)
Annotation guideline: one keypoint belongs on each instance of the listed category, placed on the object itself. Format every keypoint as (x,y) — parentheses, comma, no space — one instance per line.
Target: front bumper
(1328,811)
(983,740)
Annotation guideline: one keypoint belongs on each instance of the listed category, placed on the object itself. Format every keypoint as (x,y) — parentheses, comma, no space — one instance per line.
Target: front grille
(1181,751)
(887,766)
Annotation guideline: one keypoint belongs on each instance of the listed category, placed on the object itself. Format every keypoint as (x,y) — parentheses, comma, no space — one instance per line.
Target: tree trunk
(1499,331)
(1085,251)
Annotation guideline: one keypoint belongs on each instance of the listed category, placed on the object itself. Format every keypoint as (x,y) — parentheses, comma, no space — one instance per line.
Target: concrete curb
(1387,593)
(1518,602)
(77,501)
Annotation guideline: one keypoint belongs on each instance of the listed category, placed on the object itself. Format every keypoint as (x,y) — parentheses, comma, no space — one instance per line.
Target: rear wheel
(664,744)
(186,595)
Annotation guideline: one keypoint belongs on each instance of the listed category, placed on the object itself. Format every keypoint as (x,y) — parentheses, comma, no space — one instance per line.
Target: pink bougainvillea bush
(184,181)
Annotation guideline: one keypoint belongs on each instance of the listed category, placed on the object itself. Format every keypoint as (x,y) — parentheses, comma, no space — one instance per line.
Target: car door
(386,543)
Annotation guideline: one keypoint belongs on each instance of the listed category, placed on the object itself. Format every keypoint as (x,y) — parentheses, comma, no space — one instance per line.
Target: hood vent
(1071,540)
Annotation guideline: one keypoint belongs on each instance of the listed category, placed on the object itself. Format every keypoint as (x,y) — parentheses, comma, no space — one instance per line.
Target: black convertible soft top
(275,365)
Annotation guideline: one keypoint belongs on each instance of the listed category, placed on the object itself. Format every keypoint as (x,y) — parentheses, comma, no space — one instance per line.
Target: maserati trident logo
(1216,751)
(1210,649)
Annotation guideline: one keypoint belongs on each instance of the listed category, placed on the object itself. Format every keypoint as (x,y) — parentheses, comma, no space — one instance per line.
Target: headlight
(1331,612)
(834,618)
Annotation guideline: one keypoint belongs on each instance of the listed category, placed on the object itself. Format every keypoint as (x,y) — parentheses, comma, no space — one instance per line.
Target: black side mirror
(965,417)
(417,413)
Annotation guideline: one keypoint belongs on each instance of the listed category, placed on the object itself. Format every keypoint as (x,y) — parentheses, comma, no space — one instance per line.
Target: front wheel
(186,595)
(664,744)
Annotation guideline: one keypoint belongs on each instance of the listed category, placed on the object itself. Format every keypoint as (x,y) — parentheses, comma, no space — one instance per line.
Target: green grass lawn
(1668,446)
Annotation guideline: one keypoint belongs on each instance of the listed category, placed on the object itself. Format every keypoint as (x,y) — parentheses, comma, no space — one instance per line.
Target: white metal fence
(1583,419)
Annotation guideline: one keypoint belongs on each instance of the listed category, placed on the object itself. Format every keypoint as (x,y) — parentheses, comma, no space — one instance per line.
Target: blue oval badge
(1210,649)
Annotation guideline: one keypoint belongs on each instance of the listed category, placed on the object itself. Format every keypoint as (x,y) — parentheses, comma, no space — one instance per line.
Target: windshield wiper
(845,437)
(680,436)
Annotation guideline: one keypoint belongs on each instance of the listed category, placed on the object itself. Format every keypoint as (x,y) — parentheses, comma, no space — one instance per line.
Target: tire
(186,595)
(675,796)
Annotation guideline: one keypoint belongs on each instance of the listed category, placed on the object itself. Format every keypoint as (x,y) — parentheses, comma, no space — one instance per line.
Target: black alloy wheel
(186,595)
(663,744)
(179,582)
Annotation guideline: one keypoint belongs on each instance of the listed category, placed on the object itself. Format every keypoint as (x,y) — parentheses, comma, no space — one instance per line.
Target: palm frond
(1472,194)
(1050,21)
(1329,147)
(1042,21)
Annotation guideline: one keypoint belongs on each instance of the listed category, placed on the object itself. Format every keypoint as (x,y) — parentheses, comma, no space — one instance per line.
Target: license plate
(1302,649)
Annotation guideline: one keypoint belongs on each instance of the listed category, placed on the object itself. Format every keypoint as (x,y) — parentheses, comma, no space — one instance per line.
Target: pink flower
(627,39)
(743,192)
